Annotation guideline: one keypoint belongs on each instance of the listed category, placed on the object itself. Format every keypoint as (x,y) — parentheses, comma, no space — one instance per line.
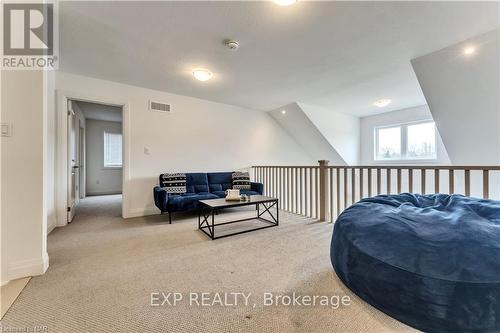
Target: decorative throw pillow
(174,183)
(241,181)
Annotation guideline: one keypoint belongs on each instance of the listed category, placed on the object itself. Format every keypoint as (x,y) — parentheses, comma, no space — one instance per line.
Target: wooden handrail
(323,191)
(392,167)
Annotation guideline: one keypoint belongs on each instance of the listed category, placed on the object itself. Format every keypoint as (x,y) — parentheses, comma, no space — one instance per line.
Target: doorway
(95,152)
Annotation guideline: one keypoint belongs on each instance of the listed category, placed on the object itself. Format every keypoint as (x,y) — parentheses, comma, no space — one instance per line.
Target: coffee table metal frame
(206,215)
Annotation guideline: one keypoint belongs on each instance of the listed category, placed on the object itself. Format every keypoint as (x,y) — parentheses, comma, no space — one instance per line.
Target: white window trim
(110,166)
(404,144)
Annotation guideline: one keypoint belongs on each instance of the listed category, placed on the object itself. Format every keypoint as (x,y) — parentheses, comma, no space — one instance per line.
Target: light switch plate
(6,129)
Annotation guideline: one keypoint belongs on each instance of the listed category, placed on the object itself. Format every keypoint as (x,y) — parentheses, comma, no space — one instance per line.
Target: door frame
(72,139)
(62,97)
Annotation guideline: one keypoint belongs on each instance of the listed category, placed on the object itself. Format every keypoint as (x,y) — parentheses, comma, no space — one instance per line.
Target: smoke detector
(232,45)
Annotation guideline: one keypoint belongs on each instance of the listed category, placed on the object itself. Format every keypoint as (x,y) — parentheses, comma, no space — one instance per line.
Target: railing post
(323,185)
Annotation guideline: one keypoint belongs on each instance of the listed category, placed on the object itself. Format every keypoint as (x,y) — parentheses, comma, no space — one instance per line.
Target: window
(389,143)
(112,150)
(413,141)
(421,141)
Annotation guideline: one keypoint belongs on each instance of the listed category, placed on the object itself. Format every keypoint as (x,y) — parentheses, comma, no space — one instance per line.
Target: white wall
(305,133)
(49,155)
(198,135)
(23,165)
(100,180)
(463,95)
(341,130)
(368,125)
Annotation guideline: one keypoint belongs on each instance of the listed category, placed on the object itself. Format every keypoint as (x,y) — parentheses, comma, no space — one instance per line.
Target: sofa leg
(169,218)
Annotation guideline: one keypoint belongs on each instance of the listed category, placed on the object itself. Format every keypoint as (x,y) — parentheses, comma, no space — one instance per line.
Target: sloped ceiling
(341,130)
(463,96)
(298,125)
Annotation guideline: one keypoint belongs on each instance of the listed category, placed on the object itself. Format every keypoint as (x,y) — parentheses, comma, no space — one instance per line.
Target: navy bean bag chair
(432,262)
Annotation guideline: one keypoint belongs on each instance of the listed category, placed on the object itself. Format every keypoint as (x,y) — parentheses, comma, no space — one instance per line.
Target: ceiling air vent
(159,107)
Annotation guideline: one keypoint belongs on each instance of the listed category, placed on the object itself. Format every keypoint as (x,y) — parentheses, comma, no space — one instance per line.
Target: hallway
(99,206)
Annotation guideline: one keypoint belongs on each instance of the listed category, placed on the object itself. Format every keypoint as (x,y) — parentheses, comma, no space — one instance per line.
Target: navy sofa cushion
(220,194)
(432,262)
(177,203)
(161,197)
(196,182)
(257,187)
(215,187)
(219,177)
(220,181)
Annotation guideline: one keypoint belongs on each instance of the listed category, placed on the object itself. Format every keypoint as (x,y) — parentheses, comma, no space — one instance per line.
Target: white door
(73,174)
(76,167)
(81,160)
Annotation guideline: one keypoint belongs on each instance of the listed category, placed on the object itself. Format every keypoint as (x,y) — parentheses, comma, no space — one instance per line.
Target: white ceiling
(338,55)
(100,111)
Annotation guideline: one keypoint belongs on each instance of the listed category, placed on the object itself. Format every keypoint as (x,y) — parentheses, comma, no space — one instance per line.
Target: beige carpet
(103,269)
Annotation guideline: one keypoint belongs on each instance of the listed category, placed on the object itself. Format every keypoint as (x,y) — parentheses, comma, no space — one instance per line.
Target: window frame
(404,143)
(104,154)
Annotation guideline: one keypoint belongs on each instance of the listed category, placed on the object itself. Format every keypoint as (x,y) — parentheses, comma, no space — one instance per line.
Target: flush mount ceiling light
(469,50)
(285,2)
(202,74)
(382,102)
(283,111)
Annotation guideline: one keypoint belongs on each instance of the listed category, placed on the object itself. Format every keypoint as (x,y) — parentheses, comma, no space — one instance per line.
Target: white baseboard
(24,268)
(138,212)
(45,259)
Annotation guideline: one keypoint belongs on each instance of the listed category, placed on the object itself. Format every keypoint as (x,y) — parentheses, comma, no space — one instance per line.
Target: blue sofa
(199,186)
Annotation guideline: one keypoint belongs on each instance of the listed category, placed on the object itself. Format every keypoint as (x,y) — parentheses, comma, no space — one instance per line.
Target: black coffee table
(211,207)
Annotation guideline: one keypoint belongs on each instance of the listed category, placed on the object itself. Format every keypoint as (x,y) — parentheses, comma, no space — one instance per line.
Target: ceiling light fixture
(382,102)
(283,111)
(469,50)
(232,45)
(285,2)
(202,74)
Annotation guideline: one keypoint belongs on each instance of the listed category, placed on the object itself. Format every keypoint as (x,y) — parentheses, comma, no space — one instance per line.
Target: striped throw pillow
(241,181)
(174,183)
